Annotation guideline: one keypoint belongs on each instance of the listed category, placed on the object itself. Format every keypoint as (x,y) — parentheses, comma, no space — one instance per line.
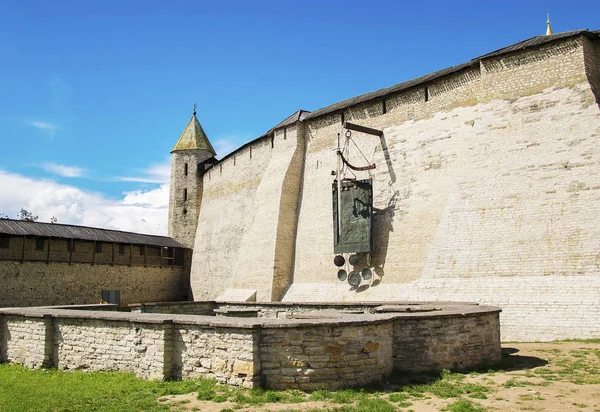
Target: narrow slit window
(427,94)
(185,169)
(384,108)
(284,133)
(184,195)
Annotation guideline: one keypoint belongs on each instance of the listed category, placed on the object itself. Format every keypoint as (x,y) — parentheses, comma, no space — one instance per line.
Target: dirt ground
(535,377)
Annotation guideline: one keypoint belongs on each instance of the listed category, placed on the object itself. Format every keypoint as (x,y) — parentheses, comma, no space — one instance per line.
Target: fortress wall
(54,283)
(227,213)
(249,212)
(314,254)
(493,202)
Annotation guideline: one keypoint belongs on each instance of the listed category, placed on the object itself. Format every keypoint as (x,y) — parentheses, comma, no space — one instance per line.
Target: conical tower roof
(193,138)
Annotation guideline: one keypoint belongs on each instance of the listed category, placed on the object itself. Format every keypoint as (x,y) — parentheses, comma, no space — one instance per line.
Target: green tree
(27,216)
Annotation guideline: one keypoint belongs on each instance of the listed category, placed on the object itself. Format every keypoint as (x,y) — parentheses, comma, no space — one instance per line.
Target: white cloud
(158,173)
(144,211)
(45,126)
(223,147)
(62,170)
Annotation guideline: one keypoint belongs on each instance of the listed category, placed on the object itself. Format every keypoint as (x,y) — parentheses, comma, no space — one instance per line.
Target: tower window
(426,94)
(185,211)
(184,195)
(185,169)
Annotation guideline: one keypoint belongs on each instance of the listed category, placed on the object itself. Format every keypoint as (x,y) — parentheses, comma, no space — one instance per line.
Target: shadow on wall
(383,224)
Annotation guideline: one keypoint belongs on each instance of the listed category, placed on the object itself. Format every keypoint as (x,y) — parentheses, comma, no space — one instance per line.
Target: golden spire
(548,28)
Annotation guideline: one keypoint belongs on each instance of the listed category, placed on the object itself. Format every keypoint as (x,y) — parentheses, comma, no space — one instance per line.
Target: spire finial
(548,28)
(195,105)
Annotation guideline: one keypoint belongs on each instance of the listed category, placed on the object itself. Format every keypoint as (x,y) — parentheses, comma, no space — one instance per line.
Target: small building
(55,264)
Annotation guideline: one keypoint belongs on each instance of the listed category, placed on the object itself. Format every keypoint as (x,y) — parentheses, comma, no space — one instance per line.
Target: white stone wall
(486,191)
(247,221)
(327,350)
(227,355)
(101,345)
(318,357)
(23,341)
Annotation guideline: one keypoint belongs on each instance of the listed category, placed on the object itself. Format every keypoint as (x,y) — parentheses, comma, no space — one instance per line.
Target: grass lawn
(533,377)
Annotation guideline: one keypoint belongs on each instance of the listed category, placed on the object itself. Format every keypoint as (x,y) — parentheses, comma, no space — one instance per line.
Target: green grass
(51,390)
(117,391)
(450,385)
(464,405)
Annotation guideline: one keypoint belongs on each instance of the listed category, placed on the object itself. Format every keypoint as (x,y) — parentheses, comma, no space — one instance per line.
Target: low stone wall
(329,357)
(309,350)
(423,342)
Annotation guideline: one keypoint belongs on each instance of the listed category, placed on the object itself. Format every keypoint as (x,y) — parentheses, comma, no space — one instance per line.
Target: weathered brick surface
(183,210)
(23,341)
(458,343)
(325,357)
(101,345)
(249,211)
(228,355)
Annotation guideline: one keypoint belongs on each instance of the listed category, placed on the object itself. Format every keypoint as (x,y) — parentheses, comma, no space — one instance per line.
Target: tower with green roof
(190,157)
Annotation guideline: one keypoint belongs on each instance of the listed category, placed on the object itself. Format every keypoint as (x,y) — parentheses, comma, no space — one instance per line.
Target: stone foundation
(301,346)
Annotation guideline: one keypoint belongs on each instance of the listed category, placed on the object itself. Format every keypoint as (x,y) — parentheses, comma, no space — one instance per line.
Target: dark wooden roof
(388,90)
(536,41)
(55,230)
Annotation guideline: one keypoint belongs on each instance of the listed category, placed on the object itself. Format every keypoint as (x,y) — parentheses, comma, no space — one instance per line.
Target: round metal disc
(366,273)
(354,278)
(339,260)
(354,259)
(342,274)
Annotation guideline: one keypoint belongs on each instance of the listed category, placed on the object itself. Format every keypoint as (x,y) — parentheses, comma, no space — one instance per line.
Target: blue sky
(94,94)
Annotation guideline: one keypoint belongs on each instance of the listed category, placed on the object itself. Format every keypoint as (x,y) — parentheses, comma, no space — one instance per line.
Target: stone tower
(189,158)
